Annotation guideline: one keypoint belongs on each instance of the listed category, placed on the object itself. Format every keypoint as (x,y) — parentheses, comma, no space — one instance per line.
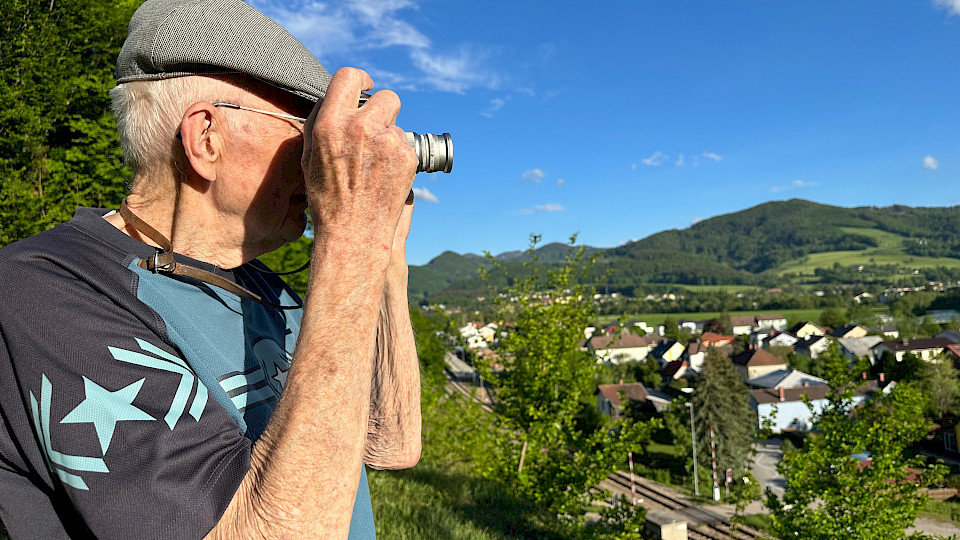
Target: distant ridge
(748,247)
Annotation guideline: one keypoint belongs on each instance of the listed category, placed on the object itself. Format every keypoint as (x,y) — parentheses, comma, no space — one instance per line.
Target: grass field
(714,288)
(889,250)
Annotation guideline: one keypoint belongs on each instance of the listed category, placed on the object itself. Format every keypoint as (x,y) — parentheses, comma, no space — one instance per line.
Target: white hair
(148,116)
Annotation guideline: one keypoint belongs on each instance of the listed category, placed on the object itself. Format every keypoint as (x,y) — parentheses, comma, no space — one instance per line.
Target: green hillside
(771,245)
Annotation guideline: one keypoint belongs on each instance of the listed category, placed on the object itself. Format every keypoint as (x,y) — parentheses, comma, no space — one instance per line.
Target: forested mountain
(742,248)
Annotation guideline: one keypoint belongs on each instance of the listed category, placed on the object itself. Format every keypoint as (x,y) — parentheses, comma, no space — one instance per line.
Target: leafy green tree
(648,372)
(937,380)
(833,317)
(720,399)
(830,494)
(928,328)
(671,329)
(58,141)
(545,380)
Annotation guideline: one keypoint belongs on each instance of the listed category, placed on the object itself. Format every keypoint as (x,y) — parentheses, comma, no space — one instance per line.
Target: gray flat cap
(174,38)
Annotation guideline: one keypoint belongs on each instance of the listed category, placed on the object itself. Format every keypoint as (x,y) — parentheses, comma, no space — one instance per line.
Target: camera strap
(163,263)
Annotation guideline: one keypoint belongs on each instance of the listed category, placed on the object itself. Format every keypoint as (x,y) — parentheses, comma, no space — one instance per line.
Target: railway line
(702,523)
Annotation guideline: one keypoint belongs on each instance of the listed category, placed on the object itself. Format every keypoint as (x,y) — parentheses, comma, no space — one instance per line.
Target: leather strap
(163,263)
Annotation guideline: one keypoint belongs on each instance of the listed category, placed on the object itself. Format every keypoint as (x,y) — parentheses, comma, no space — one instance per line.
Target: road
(765,466)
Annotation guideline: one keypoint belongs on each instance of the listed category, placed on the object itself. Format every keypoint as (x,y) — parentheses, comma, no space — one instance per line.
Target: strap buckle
(154,265)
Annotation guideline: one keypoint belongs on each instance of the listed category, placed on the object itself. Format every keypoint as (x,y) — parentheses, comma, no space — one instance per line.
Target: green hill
(775,243)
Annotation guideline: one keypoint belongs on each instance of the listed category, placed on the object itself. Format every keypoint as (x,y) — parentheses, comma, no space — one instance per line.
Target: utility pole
(713,458)
(693,437)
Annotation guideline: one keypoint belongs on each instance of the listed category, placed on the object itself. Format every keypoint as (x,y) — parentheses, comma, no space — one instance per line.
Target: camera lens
(435,152)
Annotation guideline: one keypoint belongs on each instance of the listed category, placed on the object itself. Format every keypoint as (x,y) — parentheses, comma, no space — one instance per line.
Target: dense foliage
(544,449)
(58,142)
(832,492)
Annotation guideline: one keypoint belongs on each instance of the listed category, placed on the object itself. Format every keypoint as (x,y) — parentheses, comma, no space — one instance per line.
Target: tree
(58,142)
(670,329)
(937,380)
(539,393)
(720,400)
(830,493)
(833,317)
(929,328)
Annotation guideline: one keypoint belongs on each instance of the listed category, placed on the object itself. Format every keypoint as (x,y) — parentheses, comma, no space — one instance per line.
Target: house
(806,328)
(647,329)
(771,321)
(753,363)
(785,410)
(636,394)
(924,348)
(942,316)
(849,331)
(886,330)
(859,347)
(743,325)
(782,339)
(488,332)
(678,369)
(627,348)
(784,378)
(696,352)
(668,351)
(813,346)
(952,335)
(713,339)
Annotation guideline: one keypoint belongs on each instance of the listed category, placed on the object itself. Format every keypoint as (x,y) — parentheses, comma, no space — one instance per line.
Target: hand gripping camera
(435,152)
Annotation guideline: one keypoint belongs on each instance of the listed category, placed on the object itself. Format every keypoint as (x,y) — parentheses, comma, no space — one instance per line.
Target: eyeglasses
(268,113)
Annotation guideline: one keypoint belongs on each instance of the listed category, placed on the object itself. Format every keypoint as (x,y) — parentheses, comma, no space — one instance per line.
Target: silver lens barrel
(435,152)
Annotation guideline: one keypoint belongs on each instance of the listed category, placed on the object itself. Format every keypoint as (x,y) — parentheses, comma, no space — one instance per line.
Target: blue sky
(616,120)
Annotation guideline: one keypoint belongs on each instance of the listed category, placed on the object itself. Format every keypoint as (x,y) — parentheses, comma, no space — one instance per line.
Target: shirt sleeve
(115,423)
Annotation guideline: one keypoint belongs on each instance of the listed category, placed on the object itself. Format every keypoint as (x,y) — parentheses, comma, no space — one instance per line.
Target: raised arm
(393,435)
(306,466)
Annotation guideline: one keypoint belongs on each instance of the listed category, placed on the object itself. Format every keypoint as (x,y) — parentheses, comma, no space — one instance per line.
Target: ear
(202,137)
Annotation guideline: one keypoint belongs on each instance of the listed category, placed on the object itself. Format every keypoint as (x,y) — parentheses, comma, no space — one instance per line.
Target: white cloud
(928,161)
(711,155)
(495,105)
(337,32)
(549,207)
(679,162)
(796,184)
(696,220)
(534,175)
(423,194)
(655,160)
(454,72)
(952,6)
(633,166)
(560,182)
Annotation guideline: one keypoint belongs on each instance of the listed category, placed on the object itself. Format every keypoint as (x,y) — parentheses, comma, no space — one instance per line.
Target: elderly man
(143,352)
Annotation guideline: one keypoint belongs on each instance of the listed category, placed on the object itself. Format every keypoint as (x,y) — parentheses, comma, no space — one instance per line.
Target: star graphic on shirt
(104,409)
(281,376)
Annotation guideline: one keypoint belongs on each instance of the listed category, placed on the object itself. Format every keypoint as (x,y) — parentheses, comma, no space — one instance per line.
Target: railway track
(703,523)
(471,392)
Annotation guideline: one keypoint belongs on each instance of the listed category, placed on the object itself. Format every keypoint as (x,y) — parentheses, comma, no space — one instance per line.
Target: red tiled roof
(713,338)
(632,391)
(770,317)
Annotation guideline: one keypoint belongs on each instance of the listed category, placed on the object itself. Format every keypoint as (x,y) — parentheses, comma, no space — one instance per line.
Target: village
(655,366)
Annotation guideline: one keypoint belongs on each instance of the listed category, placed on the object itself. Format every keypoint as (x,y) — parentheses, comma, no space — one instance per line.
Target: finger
(345,87)
(384,106)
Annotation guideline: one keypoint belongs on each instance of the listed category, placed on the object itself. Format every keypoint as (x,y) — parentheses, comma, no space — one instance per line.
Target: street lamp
(693,437)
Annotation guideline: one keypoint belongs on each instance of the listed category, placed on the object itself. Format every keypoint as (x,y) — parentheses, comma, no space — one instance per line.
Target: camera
(435,152)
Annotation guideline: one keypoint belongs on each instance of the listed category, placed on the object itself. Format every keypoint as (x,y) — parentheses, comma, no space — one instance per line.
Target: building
(668,351)
(636,395)
(785,410)
(849,331)
(924,348)
(813,346)
(861,347)
(626,348)
(753,363)
(785,378)
(806,328)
